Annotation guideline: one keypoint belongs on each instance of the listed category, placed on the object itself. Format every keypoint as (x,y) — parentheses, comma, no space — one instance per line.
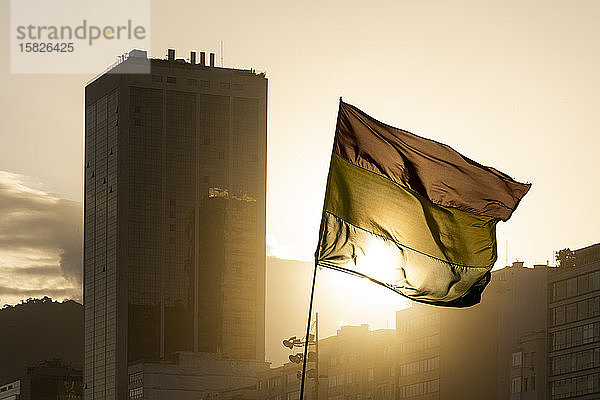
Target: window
(572,287)
(418,389)
(225,85)
(291,378)
(517,359)
(156,78)
(293,395)
(137,393)
(559,290)
(558,315)
(171,79)
(332,381)
(370,374)
(191,82)
(515,385)
(136,378)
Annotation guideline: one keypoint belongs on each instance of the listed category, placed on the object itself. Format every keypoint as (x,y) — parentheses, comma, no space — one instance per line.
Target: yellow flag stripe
(382,207)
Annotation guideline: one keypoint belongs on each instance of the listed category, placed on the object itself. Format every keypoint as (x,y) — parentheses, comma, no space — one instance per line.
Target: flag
(410,213)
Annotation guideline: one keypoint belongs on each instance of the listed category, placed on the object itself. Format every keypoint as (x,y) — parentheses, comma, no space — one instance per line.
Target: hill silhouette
(38,330)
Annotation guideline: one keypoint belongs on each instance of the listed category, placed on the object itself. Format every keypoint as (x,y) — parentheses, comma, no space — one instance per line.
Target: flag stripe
(434,170)
(373,203)
(345,248)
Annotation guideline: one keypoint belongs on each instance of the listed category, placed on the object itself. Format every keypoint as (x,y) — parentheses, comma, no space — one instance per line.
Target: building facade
(574,325)
(193,376)
(494,350)
(283,383)
(359,363)
(11,391)
(355,364)
(174,225)
(48,380)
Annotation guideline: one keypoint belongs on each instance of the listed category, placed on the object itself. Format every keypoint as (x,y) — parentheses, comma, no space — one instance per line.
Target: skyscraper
(174,246)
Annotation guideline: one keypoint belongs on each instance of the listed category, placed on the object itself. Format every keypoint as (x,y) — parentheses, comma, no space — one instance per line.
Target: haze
(509,84)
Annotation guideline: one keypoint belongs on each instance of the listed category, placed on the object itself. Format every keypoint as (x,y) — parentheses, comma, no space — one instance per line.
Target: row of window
(576,336)
(578,386)
(351,377)
(519,358)
(420,344)
(418,389)
(518,384)
(575,286)
(201,83)
(137,393)
(420,366)
(427,321)
(577,311)
(288,396)
(576,361)
(136,379)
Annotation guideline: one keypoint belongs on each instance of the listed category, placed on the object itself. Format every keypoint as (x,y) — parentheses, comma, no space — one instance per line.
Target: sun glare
(381,260)
(358,300)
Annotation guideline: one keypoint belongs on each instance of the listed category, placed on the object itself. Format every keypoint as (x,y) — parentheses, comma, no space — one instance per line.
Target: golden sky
(510,84)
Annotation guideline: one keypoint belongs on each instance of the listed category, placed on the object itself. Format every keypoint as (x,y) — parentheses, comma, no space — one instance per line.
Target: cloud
(40,242)
(275,249)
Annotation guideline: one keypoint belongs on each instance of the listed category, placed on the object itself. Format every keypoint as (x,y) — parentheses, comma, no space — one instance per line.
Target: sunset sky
(511,84)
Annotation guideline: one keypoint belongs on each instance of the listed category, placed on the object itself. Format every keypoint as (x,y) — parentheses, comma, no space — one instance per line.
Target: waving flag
(410,213)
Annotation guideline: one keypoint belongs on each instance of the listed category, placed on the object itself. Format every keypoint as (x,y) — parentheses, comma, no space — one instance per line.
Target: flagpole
(310,306)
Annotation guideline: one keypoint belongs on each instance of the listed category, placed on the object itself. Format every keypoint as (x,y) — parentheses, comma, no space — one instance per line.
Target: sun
(382,260)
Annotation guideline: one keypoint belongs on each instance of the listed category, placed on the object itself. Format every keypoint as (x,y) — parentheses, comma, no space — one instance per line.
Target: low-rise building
(48,380)
(192,376)
(11,391)
(493,350)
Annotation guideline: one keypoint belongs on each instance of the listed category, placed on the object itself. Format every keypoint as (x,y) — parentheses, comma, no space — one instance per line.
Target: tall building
(494,350)
(574,325)
(174,232)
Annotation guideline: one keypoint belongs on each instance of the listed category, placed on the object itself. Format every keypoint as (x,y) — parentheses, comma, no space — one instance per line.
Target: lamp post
(312,357)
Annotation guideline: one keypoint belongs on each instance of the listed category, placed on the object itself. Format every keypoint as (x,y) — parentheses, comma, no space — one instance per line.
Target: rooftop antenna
(221,54)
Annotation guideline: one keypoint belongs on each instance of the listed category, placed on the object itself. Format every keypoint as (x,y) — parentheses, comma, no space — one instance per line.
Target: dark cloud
(41,292)
(36,222)
(37,271)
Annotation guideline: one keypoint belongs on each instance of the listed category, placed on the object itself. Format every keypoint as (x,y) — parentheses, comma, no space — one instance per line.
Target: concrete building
(11,391)
(193,376)
(359,363)
(574,325)
(283,383)
(49,380)
(174,225)
(493,350)
(355,364)
(418,352)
